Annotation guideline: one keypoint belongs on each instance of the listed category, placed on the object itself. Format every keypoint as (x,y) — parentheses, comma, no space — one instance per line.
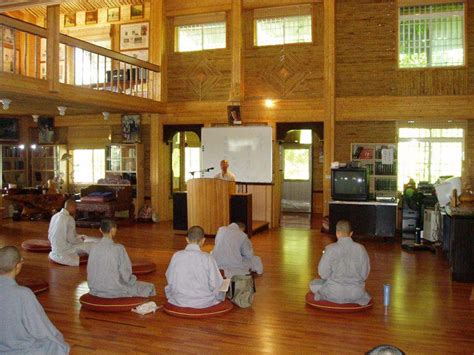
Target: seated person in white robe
(24,326)
(343,268)
(109,270)
(193,276)
(233,251)
(66,245)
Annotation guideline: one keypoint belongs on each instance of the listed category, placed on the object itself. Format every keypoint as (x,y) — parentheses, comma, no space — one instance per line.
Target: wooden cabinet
(14,165)
(46,164)
(127,161)
(380,159)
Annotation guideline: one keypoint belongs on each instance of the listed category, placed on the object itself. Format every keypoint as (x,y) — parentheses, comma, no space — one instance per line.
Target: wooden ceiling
(38,7)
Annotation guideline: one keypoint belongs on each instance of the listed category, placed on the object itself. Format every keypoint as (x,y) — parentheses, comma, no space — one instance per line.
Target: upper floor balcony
(41,69)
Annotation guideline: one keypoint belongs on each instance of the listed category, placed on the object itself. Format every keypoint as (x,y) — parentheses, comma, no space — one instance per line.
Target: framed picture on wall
(8,35)
(141,54)
(69,20)
(9,129)
(8,59)
(134,36)
(91,17)
(131,128)
(113,14)
(233,115)
(46,130)
(136,11)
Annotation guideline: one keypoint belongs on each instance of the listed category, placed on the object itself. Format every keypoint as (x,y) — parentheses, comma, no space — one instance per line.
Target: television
(350,184)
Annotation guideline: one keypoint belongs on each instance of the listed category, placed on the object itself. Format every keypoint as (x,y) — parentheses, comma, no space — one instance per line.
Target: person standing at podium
(225,173)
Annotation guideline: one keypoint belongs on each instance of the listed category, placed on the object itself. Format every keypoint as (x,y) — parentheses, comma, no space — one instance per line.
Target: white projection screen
(248,150)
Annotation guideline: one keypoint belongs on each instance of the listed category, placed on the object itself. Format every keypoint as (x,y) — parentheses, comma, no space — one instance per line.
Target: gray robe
(233,252)
(65,243)
(109,272)
(24,326)
(193,279)
(343,268)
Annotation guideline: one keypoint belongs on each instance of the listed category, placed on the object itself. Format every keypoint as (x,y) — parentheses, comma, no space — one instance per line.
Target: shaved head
(9,258)
(343,227)
(70,205)
(195,234)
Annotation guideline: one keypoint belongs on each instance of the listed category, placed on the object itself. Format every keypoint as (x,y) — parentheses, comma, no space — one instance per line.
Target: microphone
(211,168)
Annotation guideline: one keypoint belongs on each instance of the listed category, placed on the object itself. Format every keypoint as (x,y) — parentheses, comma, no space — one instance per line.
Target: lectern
(209,203)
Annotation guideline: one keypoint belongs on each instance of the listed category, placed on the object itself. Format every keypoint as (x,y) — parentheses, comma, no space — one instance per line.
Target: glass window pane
(192,161)
(201,36)
(89,165)
(283,30)
(296,162)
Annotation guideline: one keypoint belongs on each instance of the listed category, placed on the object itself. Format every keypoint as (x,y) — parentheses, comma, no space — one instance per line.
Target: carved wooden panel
(283,72)
(198,76)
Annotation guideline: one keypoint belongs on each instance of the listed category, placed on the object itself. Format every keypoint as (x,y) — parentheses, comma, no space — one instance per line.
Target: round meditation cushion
(143,267)
(82,260)
(37,245)
(186,312)
(99,304)
(36,285)
(328,306)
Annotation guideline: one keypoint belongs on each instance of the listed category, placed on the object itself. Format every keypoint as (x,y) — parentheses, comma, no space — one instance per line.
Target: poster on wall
(233,115)
(9,130)
(131,128)
(134,36)
(46,130)
(141,54)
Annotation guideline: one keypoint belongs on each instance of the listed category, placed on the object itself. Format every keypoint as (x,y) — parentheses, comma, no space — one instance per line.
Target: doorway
(185,158)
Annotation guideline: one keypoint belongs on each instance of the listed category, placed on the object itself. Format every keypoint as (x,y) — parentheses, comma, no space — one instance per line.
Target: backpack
(242,290)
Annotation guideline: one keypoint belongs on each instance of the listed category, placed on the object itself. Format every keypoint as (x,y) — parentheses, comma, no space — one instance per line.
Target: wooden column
(158,51)
(329,96)
(52,64)
(237,82)
(277,181)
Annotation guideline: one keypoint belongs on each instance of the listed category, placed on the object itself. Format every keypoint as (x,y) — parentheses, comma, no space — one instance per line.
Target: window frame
(227,34)
(313,31)
(408,3)
(74,182)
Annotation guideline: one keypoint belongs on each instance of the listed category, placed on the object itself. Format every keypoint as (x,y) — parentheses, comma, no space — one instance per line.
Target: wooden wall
(367,49)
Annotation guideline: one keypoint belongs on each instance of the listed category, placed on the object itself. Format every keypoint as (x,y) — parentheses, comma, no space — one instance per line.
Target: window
(283,30)
(89,165)
(296,164)
(431,36)
(91,68)
(425,154)
(199,37)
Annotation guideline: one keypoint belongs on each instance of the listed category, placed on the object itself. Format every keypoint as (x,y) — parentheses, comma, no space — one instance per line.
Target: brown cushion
(328,306)
(99,304)
(83,258)
(37,245)
(143,267)
(186,312)
(36,285)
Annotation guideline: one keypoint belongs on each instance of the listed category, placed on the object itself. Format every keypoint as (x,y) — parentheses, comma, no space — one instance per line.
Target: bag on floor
(242,290)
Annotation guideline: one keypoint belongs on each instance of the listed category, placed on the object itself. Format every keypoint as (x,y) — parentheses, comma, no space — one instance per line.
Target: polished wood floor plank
(429,313)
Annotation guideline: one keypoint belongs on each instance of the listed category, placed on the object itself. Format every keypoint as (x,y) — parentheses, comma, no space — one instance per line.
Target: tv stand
(371,218)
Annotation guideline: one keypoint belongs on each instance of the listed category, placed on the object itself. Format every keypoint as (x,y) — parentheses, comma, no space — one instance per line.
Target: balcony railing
(23,51)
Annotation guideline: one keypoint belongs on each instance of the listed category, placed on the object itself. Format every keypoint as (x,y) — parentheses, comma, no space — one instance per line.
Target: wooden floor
(429,313)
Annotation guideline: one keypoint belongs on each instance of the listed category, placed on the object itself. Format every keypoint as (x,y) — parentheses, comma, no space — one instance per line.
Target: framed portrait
(70,20)
(92,17)
(46,130)
(136,11)
(233,115)
(131,128)
(134,36)
(113,14)
(141,54)
(8,65)
(8,35)
(9,129)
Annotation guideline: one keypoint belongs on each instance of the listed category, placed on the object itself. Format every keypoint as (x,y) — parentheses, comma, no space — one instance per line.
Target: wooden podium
(209,203)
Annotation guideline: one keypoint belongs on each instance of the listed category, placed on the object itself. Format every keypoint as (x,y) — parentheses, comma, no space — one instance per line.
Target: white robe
(229,176)
(65,244)
(109,272)
(24,326)
(233,252)
(343,268)
(193,279)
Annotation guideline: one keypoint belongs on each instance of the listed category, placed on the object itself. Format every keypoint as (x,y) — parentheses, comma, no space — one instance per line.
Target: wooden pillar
(329,96)
(158,51)
(52,64)
(237,82)
(277,181)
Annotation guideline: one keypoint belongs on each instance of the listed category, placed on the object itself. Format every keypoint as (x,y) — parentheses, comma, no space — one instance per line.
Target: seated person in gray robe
(193,277)
(343,268)
(109,270)
(66,245)
(233,251)
(25,327)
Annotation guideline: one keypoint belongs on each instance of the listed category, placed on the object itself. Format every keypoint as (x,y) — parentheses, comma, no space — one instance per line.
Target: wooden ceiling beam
(13,5)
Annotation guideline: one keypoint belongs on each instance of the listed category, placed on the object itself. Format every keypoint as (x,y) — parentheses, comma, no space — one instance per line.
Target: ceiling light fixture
(35,118)
(269,103)
(106,115)
(62,110)
(6,103)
